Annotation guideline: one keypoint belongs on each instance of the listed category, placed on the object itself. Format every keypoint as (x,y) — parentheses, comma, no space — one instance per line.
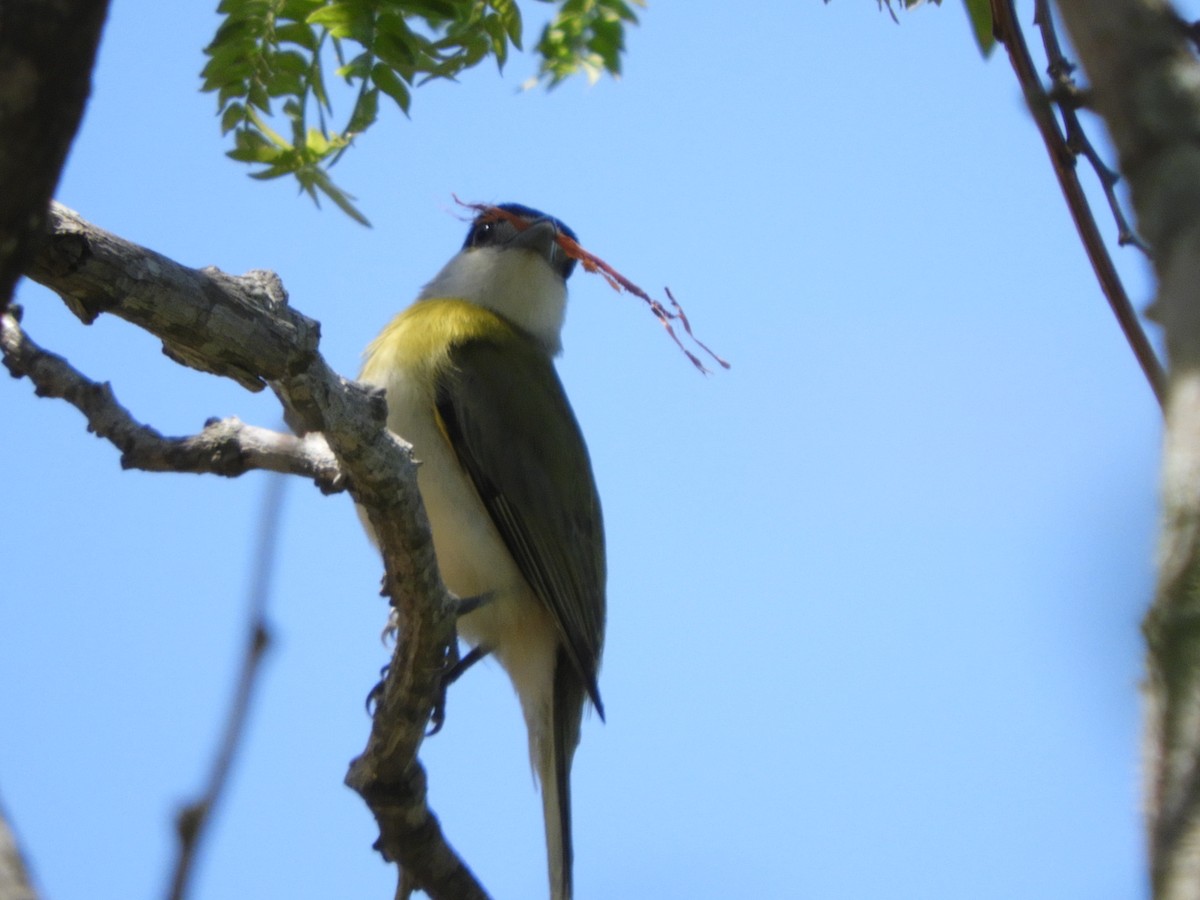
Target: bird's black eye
(482,233)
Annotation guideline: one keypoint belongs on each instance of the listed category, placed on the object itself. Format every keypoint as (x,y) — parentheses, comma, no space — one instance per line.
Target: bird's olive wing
(505,413)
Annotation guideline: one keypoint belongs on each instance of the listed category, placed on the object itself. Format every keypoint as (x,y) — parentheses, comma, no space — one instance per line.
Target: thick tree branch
(1062,158)
(237,326)
(243,328)
(47,48)
(1146,85)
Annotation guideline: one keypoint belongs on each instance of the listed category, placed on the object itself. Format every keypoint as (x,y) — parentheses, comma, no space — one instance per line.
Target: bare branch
(1008,32)
(237,326)
(243,328)
(192,821)
(1067,96)
(1146,85)
(225,447)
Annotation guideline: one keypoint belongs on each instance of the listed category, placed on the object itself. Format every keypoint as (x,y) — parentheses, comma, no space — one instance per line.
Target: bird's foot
(376,692)
(455,667)
(391,629)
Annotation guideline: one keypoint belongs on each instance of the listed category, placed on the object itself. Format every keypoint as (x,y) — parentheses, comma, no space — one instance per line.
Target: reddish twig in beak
(618,282)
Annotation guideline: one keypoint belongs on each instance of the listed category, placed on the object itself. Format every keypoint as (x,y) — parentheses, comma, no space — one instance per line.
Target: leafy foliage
(586,35)
(268,58)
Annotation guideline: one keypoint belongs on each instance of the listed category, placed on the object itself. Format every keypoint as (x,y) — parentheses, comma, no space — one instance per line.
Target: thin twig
(1008,32)
(1067,96)
(618,282)
(193,819)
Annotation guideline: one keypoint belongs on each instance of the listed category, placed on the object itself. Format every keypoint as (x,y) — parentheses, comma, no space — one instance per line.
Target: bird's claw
(451,672)
(373,695)
(391,629)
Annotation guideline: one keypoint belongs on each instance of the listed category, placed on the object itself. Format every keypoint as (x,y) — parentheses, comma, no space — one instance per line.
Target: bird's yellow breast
(409,358)
(418,341)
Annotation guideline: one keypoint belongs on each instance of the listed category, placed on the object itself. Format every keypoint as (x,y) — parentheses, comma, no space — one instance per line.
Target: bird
(507,482)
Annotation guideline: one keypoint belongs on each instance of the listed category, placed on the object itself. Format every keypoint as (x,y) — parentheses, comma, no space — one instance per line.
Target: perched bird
(506,480)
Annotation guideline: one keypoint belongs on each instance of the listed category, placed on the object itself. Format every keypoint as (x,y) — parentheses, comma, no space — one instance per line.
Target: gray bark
(1146,85)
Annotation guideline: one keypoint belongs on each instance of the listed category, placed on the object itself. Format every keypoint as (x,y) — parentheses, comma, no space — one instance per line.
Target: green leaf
(356,68)
(258,98)
(275,171)
(396,50)
(250,146)
(980,14)
(297,33)
(365,112)
(434,12)
(389,82)
(510,16)
(272,54)
(321,181)
(343,20)
(233,116)
(317,144)
(299,10)
(494,26)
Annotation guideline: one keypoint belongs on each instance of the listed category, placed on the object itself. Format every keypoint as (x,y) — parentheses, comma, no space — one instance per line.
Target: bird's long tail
(553,750)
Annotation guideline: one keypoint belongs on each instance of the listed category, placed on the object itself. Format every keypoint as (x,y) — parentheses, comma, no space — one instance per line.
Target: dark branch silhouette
(1062,159)
(47,51)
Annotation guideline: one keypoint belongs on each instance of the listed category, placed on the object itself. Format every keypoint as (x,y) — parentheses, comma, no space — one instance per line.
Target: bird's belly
(472,557)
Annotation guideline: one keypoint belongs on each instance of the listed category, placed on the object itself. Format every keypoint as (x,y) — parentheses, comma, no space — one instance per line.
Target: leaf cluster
(268,59)
(587,36)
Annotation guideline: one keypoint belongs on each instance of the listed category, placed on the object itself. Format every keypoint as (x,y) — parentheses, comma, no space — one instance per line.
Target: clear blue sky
(874,594)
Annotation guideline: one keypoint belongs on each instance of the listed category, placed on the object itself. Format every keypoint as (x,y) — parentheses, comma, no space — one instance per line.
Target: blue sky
(874,593)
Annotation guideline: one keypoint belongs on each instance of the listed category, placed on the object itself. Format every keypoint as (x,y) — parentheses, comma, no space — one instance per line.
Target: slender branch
(1008,32)
(192,821)
(244,329)
(1067,96)
(225,447)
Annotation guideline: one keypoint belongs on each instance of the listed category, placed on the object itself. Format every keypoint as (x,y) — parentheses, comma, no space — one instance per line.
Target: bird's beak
(541,237)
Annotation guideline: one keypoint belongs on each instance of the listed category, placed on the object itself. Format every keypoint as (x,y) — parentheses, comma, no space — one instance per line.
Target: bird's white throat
(515,283)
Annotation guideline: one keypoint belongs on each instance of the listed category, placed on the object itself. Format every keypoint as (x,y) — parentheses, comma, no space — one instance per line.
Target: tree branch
(47,48)
(1146,85)
(225,447)
(243,328)
(1062,158)
(14,875)
(237,326)
(192,820)
(1068,98)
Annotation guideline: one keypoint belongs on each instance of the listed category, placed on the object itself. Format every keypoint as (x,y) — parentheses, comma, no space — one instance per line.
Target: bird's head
(521,274)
